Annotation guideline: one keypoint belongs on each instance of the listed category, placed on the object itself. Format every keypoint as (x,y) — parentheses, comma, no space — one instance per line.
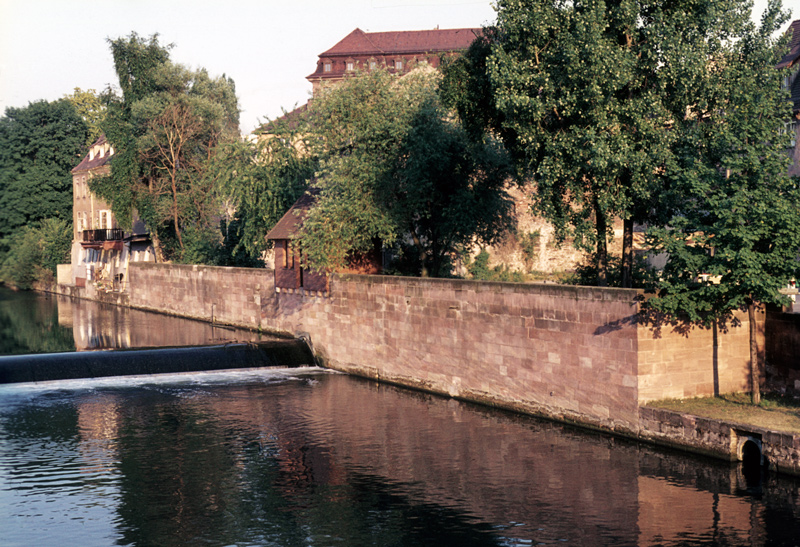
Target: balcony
(99,236)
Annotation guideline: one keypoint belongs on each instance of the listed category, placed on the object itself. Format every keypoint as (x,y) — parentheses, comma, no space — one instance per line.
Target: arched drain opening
(751,453)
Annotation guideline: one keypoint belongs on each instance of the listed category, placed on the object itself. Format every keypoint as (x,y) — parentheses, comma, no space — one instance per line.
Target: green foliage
(39,145)
(34,252)
(396,166)
(168,129)
(735,211)
(264,180)
(480,271)
(584,95)
(90,107)
(643,276)
(529,245)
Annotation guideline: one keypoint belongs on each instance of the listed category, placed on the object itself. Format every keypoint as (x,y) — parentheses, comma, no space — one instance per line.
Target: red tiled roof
(87,164)
(289,224)
(359,42)
(794,46)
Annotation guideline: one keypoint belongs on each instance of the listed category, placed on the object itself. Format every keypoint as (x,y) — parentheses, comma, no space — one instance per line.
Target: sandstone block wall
(225,295)
(702,362)
(567,352)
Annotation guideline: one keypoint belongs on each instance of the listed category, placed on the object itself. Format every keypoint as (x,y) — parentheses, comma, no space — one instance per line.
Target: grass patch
(775,412)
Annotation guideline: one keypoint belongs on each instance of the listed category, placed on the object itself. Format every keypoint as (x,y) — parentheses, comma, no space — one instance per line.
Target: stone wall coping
(196,267)
(581,292)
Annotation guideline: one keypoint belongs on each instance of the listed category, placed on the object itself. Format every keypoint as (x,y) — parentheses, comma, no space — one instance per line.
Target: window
(326,67)
(398,65)
(350,66)
(791,129)
(373,64)
(105,221)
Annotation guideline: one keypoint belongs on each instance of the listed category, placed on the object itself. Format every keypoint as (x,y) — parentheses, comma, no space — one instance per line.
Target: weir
(129,362)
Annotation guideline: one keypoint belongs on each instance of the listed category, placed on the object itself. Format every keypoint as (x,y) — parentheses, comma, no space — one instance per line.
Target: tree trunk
(601,255)
(159,252)
(418,244)
(755,369)
(627,253)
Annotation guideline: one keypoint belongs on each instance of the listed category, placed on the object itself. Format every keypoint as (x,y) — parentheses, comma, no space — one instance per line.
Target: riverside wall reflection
(44,323)
(330,459)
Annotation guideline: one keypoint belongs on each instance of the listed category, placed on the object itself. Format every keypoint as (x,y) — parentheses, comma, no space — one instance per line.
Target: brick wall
(566,352)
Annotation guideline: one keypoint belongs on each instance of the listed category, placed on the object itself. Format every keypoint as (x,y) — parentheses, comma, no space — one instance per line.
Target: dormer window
(326,66)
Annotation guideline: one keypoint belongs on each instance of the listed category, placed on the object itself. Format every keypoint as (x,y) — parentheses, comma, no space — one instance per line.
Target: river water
(307,457)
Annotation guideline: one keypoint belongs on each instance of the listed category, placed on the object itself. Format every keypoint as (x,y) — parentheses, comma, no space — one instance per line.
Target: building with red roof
(395,51)
(101,250)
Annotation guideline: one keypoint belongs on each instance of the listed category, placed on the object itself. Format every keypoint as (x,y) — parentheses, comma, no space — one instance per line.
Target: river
(309,457)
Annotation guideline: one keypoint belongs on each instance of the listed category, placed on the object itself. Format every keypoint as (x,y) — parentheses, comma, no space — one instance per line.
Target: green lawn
(775,412)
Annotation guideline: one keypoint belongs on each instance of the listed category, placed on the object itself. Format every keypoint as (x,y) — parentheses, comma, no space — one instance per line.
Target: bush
(33,253)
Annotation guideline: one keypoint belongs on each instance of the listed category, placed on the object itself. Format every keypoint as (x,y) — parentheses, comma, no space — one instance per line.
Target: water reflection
(326,459)
(35,323)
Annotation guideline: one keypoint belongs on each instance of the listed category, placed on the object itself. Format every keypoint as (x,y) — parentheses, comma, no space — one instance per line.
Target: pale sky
(268,47)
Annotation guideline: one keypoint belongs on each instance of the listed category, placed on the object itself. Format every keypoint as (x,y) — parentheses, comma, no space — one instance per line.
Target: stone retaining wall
(718,438)
(570,353)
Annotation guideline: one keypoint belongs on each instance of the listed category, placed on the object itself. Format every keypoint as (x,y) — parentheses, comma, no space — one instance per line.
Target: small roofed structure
(290,275)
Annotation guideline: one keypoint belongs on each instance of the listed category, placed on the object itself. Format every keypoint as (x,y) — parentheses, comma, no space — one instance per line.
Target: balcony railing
(107,234)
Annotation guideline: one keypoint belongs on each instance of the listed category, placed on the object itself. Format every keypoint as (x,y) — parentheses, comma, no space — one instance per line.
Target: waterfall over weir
(96,364)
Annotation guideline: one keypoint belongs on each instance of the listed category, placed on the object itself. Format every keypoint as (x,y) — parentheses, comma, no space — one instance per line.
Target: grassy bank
(775,412)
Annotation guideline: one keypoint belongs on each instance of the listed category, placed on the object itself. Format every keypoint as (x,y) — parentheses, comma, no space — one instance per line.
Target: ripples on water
(306,457)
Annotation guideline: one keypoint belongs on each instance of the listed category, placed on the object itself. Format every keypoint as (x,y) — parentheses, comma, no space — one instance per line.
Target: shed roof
(288,227)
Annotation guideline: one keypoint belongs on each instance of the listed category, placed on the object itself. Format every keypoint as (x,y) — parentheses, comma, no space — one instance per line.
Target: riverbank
(573,354)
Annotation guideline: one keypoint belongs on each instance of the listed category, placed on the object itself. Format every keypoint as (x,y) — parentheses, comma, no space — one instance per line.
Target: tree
(264,179)
(35,251)
(167,128)
(583,94)
(39,146)
(580,97)
(734,234)
(90,107)
(395,167)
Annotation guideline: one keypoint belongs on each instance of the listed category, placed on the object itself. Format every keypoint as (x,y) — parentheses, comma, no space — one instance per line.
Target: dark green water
(44,323)
(29,324)
(311,458)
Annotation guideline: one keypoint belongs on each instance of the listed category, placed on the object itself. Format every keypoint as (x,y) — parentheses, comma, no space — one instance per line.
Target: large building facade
(397,52)
(101,249)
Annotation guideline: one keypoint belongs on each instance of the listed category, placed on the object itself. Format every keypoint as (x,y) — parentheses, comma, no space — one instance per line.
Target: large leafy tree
(734,235)
(167,128)
(39,145)
(583,94)
(395,166)
(90,107)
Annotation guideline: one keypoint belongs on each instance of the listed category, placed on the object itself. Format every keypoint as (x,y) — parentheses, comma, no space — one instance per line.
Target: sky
(268,47)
